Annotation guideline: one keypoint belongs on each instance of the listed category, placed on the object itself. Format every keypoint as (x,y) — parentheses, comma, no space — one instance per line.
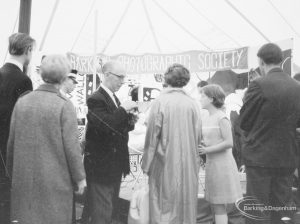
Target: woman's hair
(54,69)
(177,75)
(216,93)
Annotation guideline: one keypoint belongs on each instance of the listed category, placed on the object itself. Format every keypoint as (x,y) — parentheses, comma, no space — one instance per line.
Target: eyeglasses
(119,76)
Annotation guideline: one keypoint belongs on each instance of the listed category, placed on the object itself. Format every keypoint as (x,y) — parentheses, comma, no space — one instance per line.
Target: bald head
(114,75)
(114,67)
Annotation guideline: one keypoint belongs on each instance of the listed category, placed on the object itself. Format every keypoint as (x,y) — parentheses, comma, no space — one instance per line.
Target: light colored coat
(43,157)
(171,157)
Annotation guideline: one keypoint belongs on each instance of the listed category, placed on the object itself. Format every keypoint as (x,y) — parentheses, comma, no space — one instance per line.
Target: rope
(285,20)
(117,27)
(247,20)
(212,23)
(83,25)
(151,26)
(181,26)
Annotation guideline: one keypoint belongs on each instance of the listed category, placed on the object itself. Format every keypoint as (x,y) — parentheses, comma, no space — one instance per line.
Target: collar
(276,69)
(15,62)
(62,92)
(174,89)
(110,93)
(48,88)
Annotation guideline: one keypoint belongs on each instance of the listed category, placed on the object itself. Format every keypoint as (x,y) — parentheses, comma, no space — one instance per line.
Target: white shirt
(110,93)
(15,62)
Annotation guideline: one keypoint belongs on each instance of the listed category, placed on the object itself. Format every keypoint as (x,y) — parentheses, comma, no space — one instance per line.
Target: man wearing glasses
(107,157)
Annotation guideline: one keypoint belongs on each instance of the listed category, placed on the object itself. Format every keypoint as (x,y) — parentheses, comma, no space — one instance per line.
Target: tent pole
(95,50)
(24,16)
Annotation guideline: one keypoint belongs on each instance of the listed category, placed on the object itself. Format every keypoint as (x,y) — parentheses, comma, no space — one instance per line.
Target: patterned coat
(43,157)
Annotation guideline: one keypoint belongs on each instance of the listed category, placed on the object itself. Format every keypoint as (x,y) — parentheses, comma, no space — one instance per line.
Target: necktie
(117,100)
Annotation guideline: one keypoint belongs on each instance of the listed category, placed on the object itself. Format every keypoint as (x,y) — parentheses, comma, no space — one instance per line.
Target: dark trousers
(271,187)
(102,199)
(298,190)
(4,196)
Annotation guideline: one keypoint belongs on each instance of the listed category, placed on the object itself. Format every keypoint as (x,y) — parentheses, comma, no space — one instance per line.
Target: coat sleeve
(10,143)
(71,142)
(199,137)
(253,101)
(153,133)
(24,87)
(105,121)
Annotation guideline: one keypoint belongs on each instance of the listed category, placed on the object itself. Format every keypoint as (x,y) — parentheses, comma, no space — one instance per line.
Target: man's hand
(129,105)
(81,185)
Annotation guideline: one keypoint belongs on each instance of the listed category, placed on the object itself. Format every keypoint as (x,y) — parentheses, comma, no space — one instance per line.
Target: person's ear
(261,63)
(29,49)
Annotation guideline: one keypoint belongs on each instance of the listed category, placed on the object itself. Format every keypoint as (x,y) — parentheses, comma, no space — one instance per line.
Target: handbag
(139,206)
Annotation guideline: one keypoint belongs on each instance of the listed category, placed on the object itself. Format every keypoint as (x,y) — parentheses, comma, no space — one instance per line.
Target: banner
(195,61)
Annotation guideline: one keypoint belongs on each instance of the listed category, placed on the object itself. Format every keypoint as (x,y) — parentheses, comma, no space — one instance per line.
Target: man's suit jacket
(106,155)
(13,83)
(269,119)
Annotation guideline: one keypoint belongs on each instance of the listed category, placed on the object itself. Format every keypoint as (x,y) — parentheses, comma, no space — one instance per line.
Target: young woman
(222,186)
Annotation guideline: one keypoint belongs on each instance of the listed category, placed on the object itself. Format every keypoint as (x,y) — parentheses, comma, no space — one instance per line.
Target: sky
(154,26)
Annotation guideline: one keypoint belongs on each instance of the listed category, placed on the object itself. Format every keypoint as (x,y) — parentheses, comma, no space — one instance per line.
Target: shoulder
(98,94)
(62,97)
(222,115)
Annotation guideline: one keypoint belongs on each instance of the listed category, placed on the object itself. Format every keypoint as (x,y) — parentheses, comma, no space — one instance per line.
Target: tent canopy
(154,26)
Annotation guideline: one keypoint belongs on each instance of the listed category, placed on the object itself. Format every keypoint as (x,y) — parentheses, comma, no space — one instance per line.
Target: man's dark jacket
(269,119)
(13,83)
(106,155)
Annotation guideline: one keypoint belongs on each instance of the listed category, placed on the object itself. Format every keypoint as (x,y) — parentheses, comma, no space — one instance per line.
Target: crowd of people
(42,164)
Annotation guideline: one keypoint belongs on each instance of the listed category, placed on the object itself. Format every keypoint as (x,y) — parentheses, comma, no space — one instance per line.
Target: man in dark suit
(13,83)
(269,119)
(107,156)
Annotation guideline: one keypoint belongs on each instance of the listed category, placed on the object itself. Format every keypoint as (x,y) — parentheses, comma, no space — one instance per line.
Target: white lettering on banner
(80,91)
(195,61)
(213,61)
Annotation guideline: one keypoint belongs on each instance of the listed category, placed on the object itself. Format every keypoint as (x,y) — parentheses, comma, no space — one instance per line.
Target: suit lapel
(108,99)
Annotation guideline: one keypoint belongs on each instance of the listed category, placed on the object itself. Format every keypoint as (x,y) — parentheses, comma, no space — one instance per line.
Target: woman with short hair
(222,184)
(170,153)
(44,158)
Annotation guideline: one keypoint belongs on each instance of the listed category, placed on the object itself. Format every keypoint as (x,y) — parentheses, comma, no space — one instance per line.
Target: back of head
(114,67)
(55,68)
(177,76)
(20,43)
(270,54)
